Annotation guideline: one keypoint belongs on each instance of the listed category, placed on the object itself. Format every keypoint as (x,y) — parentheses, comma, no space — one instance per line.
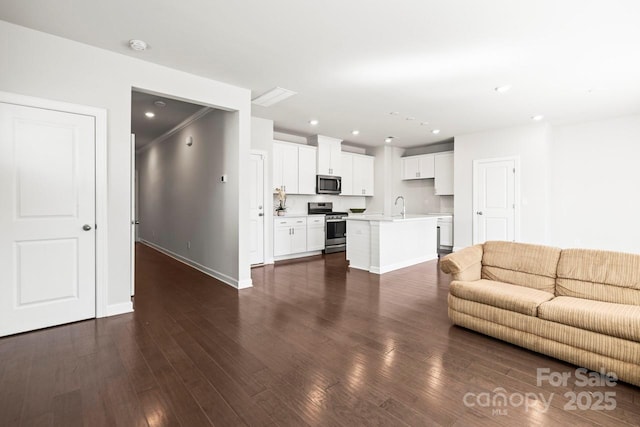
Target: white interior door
(47,218)
(494,196)
(134,217)
(256,208)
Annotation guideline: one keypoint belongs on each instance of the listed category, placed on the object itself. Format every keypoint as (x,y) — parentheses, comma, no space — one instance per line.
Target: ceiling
(166,118)
(354,62)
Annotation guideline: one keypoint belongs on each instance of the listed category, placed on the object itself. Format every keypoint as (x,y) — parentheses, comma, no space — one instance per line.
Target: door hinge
(514,170)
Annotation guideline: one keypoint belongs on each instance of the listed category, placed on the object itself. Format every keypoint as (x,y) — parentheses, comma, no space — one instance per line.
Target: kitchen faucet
(404,207)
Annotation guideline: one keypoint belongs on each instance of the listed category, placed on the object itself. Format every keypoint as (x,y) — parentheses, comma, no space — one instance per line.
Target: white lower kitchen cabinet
(446,231)
(298,236)
(315,233)
(289,236)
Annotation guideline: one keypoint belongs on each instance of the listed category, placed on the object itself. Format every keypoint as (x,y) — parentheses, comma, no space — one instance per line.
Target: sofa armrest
(465,264)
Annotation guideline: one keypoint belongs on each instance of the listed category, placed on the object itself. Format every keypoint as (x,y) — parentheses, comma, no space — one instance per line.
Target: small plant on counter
(282,200)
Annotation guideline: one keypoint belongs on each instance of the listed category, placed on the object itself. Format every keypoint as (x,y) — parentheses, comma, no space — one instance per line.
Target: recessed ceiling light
(138,45)
(424,123)
(388,139)
(313,122)
(160,104)
(355,132)
(502,89)
(537,117)
(410,118)
(273,96)
(435,131)
(150,114)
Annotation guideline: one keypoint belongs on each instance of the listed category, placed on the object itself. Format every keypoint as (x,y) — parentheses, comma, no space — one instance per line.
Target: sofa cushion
(533,266)
(502,295)
(599,275)
(618,320)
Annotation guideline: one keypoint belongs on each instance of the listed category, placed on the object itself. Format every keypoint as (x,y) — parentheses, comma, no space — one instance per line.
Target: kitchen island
(380,244)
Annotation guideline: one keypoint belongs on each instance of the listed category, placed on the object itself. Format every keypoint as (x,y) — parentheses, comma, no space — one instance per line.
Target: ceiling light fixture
(273,96)
(424,123)
(138,45)
(537,117)
(502,89)
(313,122)
(410,118)
(150,114)
(388,139)
(355,132)
(394,113)
(435,131)
(160,104)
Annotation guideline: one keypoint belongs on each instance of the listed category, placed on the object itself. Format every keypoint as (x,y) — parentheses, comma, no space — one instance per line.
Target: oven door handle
(336,220)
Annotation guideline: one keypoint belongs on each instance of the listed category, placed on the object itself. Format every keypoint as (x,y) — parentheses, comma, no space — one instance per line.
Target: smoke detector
(138,45)
(160,104)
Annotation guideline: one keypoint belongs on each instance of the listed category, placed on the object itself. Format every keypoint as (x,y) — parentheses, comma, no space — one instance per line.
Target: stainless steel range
(336,226)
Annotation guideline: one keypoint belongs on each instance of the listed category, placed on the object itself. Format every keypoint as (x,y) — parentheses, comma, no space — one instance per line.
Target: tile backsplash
(297,203)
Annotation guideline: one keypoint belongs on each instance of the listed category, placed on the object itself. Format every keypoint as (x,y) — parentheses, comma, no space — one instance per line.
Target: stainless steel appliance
(327,184)
(335,227)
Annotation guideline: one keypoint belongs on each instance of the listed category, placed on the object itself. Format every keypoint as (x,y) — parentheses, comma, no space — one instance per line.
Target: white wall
(595,185)
(46,66)
(182,197)
(531,145)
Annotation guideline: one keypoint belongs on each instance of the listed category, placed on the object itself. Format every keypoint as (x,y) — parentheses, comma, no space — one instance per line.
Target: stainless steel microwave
(327,184)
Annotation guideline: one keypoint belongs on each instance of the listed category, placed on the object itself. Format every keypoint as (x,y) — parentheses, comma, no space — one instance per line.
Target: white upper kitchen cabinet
(307,169)
(294,168)
(418,167)
(443,183)
(357,175)
(363,175)
(329,154)
(346,168)
(285,167)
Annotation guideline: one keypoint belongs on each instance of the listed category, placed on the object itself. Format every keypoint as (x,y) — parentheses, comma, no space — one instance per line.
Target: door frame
(474,195)
(100,117)
(265,193)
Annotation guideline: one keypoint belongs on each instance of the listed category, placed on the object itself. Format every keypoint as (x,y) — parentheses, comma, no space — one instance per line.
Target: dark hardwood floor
(312,343)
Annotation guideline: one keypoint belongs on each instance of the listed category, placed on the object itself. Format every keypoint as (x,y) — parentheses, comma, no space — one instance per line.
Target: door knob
(135,222)
(260,214)
(86,227)
(479,213)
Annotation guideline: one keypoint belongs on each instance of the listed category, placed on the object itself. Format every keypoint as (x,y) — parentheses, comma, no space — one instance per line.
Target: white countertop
(394,218)
(296,215)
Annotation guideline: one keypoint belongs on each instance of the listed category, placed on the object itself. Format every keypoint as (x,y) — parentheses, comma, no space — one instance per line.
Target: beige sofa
(578,305)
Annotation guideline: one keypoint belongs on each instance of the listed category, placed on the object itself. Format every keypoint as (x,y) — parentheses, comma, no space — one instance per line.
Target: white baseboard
(295,256)
(121,308)
(391,267)
(246,283)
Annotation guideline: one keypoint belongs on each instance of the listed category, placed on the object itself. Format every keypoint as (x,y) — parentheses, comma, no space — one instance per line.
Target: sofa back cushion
(533,266)
(599,275)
